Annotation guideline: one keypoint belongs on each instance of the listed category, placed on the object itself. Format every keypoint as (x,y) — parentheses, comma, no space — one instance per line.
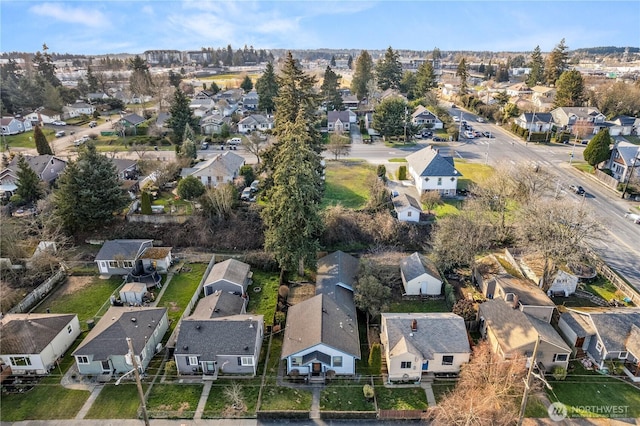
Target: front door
(209,367)
(579,342)
(316,368)
(425,366)
(106,368)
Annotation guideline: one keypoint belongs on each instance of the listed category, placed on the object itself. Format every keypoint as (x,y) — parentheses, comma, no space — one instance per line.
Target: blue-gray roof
(428,162)
(415,265)
(127,249)
(334,269)
(30,333)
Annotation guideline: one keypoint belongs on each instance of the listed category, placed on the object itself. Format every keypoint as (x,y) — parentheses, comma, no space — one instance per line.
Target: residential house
(250,101)
(340,121)
(26,124)
(219,337)
(420,276)
(232,96)
(623,125)
(43,116)
(425,118)
(32,343)
(570,118)
(604,335)
(155,258)
(230,276)
(321,334)
(77,109)
(255,122)
(47,167)
(518,89)
(204,94)
(350,102)
(535,122)
(407,208)
(623,157)
(433,172)
(105,350)
(543,97)
(563,282)
(131,122)
(126,169)
(161,119)
(212,124)
(11,126)
(222,168)
(118,257)
(97,96)
(202,107)
(368,120)
(512,332)
(417,343)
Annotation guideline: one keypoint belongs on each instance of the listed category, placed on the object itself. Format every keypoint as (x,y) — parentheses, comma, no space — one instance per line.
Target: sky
(133,26)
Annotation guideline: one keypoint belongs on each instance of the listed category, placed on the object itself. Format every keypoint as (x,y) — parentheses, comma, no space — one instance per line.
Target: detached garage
(420,277)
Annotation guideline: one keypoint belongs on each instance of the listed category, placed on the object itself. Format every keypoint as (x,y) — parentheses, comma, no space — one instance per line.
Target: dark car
(577,189)
(488,135)
(438,139)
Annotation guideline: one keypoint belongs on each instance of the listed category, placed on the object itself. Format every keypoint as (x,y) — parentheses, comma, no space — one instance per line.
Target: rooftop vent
(198,327)
(133,320)
(246,348)
(185,347)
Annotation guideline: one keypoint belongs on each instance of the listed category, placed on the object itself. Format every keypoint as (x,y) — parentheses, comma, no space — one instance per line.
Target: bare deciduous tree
(530,182)
(488,393)
(339,145)
(254,144)
(140,149)
(217,203)
(431,199)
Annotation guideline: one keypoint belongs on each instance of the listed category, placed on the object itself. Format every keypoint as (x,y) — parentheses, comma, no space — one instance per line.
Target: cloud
(90,18)
(147,10)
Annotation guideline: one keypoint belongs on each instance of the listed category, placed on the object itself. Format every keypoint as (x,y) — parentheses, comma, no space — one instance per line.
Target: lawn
(344,395)
(116,402)
(168,200)
(173,401)
(448,207)
(401,398)
(603,288)
(584,167)
(471,172)
(440,389)
(397,160)
(219,405)
(264,302)
(25,140)
(536,409)
(589,394)
(86,302)
(43,402)
(180,291)
(407,306)
(346,184)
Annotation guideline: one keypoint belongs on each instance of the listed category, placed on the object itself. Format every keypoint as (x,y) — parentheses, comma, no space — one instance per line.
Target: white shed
(563,282)
(132,293)
(420,276)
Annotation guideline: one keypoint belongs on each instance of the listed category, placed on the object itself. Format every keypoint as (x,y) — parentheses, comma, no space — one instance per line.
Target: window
(408,214)
(439,181)
(599,347)
(69,329)
(246,361)
(623,355)
(296,361)
(82,359)
(447,360)
(560,357)
(405,364)
(337,361)
(193,360)
(113,264)
(20,361)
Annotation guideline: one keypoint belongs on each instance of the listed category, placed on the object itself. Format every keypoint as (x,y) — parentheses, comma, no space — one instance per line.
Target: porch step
(316,379)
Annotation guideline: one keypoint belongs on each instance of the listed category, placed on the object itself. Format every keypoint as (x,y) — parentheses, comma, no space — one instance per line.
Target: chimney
(414,325)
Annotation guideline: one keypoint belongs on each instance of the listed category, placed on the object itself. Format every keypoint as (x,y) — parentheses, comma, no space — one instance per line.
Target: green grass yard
(407,306)
(86,302)
(344,395)
(43,402)
(346,183)
(471,172)
(180,291)
(220,406)
(264,302)
(25,140)
(116,402)
(174,401)
(442,388)
(401,398)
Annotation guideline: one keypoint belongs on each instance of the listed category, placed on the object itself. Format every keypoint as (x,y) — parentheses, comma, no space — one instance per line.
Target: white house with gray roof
(222,168)
(604,334)
(230,276)
(433,172)
(622,159)
(32,343)
(418,343)
(425,118)
(219,338)
(407,208)
(118,257)
(105,351)
(420,276)
(341,121)
(255,122)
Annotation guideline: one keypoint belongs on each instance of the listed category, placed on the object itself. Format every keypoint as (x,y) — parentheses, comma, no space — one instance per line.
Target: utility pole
(634,161)
(527,382)
(136,372)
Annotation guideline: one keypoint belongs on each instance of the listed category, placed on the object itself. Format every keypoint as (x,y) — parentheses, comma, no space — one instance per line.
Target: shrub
(381,171)
(190,188)
(375,359)
(402,172)
(368,392)
(559,373)
(248,173)
(465,308)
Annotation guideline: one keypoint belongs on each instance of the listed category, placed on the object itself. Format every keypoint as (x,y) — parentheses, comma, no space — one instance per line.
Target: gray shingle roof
(633,341)
(333,116)
(30,333)
(231,270)
(415,265)
(540,117)
(321,320)
(428,162)
(613,326)
(225,164)
(579,323)
(528,294)
(109,335)
(219,304)
(128,249)
(233,335)
(436,332)
(134,119)
(404,201)
(47,167)
(335,268)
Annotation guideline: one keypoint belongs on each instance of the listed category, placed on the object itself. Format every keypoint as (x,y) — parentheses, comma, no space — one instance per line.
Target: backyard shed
(132,293)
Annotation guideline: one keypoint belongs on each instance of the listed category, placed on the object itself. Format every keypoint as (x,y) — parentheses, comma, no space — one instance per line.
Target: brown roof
(155,253)
(30,333)
(528,294)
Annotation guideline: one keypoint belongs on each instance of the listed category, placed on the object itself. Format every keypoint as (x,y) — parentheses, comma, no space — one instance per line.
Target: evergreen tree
(28,185)
(463,73)
(408,84)
(569,89)
(536,75)
(175,78)
(267,89)
(190,188)
(362,75)
(145,203)
(350,62)
(598,149)
(389,70)
(181,116)
(42,146)
(425,79)
(247,84)
(329,90)
(92,80)
(390,117)
(140,82)
(556,63)
(89,193)
(45,66)
(292,214)
(333,61)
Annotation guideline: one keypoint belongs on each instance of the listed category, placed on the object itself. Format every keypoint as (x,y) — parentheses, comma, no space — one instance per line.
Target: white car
(59,123)
(456,118)
(634,217)
(480,120)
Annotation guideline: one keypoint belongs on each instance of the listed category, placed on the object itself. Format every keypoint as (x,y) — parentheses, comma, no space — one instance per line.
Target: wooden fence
(615,279)
(401,414)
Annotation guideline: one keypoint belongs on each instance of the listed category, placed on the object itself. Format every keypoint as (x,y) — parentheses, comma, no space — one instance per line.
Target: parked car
(438,139)
(488,135)
(204,145)
(58,123)
(254,185)
(60,133)
(456,118)
(632,216)
(577,189)
(480,120)
(246,194)
(234,141)
(93,124)
(426,133)
(469,134)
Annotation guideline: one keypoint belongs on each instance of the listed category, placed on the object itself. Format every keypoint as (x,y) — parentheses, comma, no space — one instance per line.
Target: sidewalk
(131,422)
(89,402)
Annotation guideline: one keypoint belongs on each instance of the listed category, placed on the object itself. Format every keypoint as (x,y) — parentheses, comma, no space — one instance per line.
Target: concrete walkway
(89,402)
(314,413)
(203,399)
(428,390)
(164,287)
